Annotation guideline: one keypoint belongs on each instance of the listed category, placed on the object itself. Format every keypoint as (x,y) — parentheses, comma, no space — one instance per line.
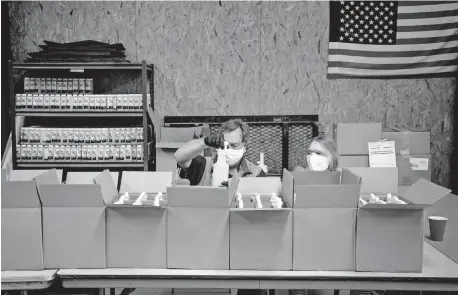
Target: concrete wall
(224,58)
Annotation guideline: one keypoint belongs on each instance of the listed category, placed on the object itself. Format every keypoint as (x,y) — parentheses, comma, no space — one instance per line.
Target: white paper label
(419,164)
(382,154)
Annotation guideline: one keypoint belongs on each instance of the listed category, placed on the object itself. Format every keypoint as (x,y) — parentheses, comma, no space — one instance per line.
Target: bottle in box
(81,86)
(68,152)
(114,100)
(50,152)
(128,152)
(94,153)
(75,86)
(86,102)
(96,101)
(80,100)
(79,151)
(134,153)
(34,101)
(59,85)
(117,152)
(45,153)
(58,101)
(109,102)
(84,152)
(42,85)
(119,101)
(122,133)
(64,85)
(122,152)
(131,101)
(24,134)
(70,134)
(40,152)
(18,101)
(34,152)
(73,152)
(54,85)
(112,152)
(125,101)
(64,135)
(46,101)
(89,85)
(26,85)
(139,152)
(91,99)
(107,152)
(101,153)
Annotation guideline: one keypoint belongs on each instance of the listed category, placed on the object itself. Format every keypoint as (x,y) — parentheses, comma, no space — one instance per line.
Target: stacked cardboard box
(324,218)
(352,142)
(413,157)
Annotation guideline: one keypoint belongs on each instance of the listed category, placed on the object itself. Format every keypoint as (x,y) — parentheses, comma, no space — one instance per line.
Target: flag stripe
(430,14)
(427,40)
(391,60)
(395,66)
(379,73)
(427,27)
(422,3)
(392,48)
(410,35)
(427,21)
(390,54)
(426,8)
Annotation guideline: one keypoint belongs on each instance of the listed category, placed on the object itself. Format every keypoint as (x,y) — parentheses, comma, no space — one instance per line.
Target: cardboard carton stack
(260,238)
(324,218)
(413,157)
(352,142)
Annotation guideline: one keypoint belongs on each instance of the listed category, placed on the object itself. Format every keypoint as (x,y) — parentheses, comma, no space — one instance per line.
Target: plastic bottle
(261,163)
(220,169)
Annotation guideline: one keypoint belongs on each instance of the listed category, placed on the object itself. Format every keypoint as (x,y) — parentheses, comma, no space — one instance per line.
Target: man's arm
(193,148)
(189,151)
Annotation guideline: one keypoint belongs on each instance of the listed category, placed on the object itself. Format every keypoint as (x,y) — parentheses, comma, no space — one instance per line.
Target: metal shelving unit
(146,72)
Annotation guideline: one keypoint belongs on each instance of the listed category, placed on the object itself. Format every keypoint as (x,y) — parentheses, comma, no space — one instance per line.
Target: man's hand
(215,140)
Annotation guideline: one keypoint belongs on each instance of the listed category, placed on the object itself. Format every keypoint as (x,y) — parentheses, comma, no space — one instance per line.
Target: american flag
(388,39)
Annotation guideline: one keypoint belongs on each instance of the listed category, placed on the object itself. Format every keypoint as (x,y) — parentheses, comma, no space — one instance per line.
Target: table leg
(112,291)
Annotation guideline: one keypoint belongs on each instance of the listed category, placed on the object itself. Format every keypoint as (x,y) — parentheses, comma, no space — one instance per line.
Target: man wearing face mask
(198,169)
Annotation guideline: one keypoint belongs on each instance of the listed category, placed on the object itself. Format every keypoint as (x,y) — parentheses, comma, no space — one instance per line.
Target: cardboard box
(171,139)
(136,234)
(353,138)
(22,241)
(324,212)
(377,180)
(411,141)
(411,168)
(26,175)
(74,223)
(389,237)
(260,238)
(353,161)
(198,226)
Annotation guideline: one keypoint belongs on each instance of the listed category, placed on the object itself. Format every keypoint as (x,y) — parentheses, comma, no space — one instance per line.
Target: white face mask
(234,156)
(317,162)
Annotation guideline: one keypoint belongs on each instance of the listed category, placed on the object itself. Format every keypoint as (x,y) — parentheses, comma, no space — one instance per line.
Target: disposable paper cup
(437,225)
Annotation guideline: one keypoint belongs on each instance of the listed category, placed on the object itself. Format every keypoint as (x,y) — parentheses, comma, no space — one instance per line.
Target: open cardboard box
(74,224)
(87,177)
(377,180)
(169,141)
(260,238)
(136,234)
(198,226)
(22,239)
(389,237)
(324,212)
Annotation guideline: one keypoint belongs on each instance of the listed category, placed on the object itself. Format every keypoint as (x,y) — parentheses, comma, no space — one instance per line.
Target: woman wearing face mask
(322,156)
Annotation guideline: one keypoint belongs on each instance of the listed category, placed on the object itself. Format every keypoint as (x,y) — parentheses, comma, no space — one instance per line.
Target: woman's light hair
(232,125)
(331,149)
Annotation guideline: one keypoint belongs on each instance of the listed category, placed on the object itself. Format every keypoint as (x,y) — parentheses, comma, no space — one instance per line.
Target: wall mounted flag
(393,39)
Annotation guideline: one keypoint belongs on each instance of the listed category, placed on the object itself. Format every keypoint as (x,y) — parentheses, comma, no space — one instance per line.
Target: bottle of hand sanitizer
(261,163)
(220,168)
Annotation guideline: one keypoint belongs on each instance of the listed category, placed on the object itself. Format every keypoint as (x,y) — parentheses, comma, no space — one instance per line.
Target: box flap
(424,192)
(5,175)
(107,185)
(71,195)
(18,175)
(377,180)
(19,194)
(202,196)
(49,177)
(349,178)
(288,187)
(145,181)
(87,177)
(180,134)
(260,185)
(372,206)
(316,177)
